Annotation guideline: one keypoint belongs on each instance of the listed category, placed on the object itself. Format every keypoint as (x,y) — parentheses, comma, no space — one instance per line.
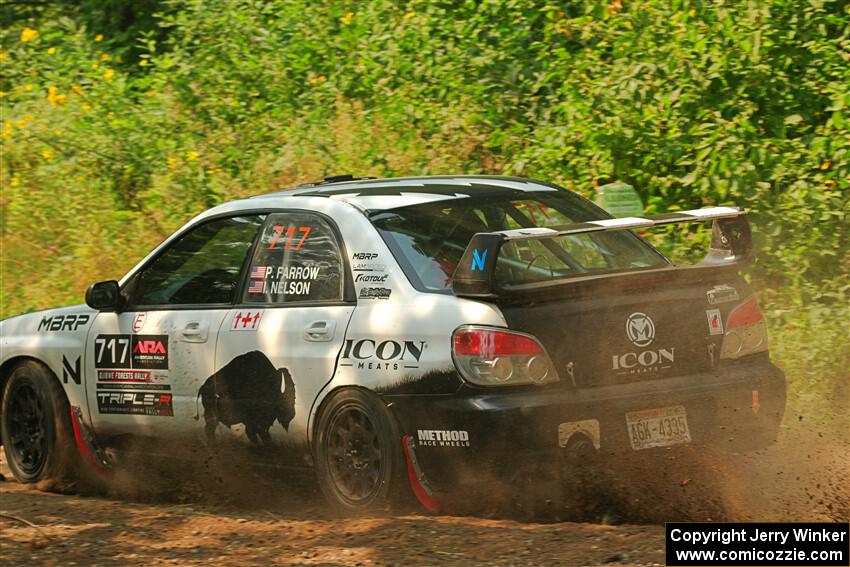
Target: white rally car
(397,335)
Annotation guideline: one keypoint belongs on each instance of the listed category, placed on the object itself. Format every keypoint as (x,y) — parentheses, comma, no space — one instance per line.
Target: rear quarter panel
(398,340)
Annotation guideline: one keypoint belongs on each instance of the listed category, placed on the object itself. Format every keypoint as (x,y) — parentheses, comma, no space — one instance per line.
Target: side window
(202,267)
(297,259)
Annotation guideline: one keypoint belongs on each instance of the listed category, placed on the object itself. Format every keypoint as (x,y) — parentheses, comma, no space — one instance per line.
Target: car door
(144,365)
(278,347)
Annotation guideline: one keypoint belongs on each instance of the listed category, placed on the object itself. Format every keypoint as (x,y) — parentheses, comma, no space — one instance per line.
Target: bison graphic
(248,390)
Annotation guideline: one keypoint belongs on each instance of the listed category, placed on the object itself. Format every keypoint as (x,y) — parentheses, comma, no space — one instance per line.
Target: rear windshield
(429,239)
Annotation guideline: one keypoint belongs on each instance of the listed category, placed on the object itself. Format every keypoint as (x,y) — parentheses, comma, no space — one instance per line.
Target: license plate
(659,427)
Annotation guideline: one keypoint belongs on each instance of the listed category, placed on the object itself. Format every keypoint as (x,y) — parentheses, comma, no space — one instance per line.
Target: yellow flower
(28,87)
(3,56)
(15,181)
(409,15)
(106,57)
(108,73)
(143,63)
(28,34)
(346,19)
(317,80)
(826,165)
(98,37)
(22,123)
(191,155)
(85,106)
(51,51)
(3,93)
(54,97)
(8,128)
(692,13)
(269,22)
(172,162)
(77,89)
(47,154)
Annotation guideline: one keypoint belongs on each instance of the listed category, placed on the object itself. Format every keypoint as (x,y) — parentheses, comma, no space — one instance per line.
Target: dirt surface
(252,520)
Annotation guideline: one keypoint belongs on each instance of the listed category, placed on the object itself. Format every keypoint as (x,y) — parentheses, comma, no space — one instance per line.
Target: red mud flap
(418,482)
(92,456)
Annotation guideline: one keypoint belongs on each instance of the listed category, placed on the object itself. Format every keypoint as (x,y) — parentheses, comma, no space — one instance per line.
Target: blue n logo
(478,260)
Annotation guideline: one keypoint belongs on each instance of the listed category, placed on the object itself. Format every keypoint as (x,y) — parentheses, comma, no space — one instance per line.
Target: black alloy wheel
(27,429)
(355,454)
(37,434)
(359,457)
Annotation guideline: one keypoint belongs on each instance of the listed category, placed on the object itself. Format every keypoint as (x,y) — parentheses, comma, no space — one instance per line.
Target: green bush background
(122,119)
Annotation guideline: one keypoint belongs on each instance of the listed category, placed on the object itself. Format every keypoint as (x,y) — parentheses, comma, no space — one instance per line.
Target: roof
(384,194)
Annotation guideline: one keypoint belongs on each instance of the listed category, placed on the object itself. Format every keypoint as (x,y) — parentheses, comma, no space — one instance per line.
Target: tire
(37,434)
(359,457)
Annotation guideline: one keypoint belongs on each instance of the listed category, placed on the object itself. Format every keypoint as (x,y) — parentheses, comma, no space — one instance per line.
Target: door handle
(320,331)
(195,332)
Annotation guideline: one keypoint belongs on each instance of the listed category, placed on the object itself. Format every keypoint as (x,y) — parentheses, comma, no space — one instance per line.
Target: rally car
(399,335)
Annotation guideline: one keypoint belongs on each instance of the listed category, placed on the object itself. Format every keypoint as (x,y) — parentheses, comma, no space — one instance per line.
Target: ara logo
(370,354)
(72,372)
(149,347)
(478,260)
(640,329)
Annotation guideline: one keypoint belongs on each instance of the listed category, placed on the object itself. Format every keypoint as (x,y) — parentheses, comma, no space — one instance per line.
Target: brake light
(746,332)
(495,357)
(746,314)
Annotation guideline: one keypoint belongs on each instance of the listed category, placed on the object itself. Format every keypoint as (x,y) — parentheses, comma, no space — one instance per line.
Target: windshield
(428,240)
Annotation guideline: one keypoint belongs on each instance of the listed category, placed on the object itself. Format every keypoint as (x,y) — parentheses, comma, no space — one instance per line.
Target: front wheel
(358,450)
(37,433)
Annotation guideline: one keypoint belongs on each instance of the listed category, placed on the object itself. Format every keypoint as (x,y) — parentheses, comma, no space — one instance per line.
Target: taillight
(746,332)
(494,357)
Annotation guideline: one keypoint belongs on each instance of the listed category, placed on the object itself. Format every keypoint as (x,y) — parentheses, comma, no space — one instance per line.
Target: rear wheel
(37,434)
(359,461)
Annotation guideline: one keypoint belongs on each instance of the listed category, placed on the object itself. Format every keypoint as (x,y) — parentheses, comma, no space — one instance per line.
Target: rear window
(428,240)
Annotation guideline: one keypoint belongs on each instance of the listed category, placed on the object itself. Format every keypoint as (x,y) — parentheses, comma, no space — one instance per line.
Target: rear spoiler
(731,243)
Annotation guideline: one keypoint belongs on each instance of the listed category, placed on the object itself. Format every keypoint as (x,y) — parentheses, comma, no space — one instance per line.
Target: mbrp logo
(640,329)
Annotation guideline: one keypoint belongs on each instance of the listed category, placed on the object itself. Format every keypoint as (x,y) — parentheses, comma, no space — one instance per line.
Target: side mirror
(104,296)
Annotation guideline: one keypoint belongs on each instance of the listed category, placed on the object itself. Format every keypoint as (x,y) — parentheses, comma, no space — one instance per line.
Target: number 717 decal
(289,236)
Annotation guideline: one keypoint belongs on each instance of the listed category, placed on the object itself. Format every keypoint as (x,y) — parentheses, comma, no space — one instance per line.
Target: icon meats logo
(640,330)
(149,352)
(369,354)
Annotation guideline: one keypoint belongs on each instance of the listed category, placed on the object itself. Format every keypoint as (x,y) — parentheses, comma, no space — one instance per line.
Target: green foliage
(118,125)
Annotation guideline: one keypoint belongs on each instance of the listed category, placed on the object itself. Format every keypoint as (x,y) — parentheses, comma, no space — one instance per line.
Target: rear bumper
(477,434)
